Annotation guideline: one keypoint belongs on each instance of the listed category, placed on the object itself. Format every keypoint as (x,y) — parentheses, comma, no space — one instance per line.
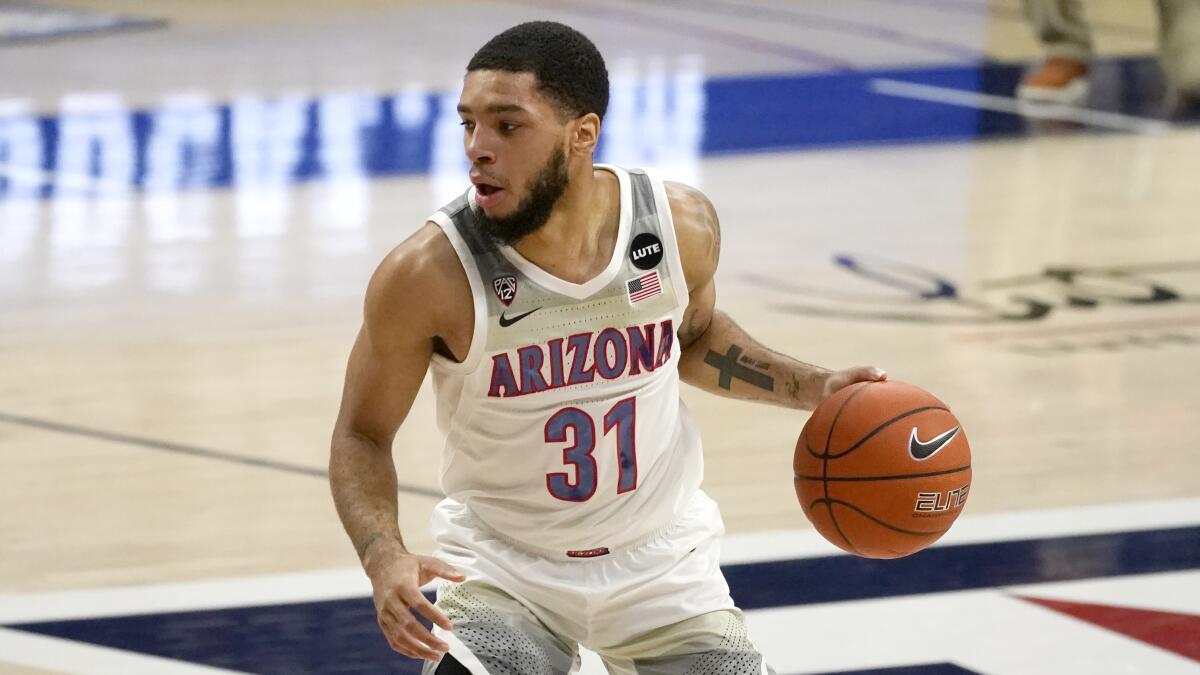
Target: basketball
(882,469)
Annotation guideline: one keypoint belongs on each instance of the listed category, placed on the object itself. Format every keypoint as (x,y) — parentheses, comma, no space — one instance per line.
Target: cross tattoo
(730,368)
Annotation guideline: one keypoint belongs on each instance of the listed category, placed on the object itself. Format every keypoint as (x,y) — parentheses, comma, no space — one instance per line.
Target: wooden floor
(171,362)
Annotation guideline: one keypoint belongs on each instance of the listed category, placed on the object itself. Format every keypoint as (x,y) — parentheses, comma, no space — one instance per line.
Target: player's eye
(468,125)
(508,126)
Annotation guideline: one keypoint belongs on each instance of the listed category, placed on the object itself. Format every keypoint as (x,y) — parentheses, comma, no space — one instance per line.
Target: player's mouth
(487,193)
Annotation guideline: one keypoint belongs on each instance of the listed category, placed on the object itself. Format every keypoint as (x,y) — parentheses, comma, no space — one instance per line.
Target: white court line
(737,548)
(1005,104)
(985,630)
(185,596)
(972,529)
(68,656)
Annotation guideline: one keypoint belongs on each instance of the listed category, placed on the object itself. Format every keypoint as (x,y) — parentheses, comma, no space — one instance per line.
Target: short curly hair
(569,69)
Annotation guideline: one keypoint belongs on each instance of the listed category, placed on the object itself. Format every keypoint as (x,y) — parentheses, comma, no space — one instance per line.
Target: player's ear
(585,134)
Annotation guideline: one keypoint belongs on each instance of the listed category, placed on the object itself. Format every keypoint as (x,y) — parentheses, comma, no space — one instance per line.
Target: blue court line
(916,669)
(958,568)
(255,141)
(341,636)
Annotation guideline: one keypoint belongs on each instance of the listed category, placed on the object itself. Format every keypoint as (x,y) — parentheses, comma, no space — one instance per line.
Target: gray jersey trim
(667,227)
(462,247)
(644,207)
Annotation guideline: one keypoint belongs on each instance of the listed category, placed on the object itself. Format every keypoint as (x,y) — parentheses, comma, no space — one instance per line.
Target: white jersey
(565,434)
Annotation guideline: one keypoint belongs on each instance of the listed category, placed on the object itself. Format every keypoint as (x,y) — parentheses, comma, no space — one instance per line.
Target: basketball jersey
(565,433)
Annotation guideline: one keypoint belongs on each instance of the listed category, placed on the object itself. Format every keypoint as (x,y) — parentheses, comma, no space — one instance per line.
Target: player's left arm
(720,357)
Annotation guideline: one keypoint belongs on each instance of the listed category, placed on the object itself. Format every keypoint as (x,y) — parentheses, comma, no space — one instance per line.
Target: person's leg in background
(1179,30)
(1061,28)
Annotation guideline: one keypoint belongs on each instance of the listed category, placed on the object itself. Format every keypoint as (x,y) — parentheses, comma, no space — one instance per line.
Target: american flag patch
(645,286)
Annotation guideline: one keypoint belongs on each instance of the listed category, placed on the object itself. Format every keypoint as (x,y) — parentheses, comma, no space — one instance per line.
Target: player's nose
(479,150)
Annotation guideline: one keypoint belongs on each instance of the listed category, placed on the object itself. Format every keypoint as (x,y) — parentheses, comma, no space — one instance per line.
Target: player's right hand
(397,590)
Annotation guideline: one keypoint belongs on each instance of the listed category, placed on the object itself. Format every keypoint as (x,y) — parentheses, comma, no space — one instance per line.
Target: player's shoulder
(420,280)
(691,206)
(421,260)
(697,231)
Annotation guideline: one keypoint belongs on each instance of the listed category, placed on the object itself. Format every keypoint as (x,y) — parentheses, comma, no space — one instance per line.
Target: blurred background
(194,194)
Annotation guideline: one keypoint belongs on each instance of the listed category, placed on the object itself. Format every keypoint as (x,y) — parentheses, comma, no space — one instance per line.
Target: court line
(1080,330)
(1153,565)
(736,549)
(1006,104)
(1016,15)
(750,547)
(832,24)
(1053,272)
(974,566)
(696,31)
(987,631)
(68,656)
(192,450)
(350,622)
(185,596)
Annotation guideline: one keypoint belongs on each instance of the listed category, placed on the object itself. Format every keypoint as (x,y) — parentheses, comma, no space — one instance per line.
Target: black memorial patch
(646,251)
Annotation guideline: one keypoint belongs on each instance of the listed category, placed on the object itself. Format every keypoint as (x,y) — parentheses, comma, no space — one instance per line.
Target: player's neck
(577,241)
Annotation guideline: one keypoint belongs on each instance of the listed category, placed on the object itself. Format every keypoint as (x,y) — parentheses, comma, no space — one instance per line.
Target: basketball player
(558,304)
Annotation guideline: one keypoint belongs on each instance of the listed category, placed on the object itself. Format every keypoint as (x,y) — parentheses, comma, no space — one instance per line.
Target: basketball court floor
(193,196)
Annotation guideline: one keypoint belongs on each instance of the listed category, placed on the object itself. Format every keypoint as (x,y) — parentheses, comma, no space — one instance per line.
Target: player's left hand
(847,377)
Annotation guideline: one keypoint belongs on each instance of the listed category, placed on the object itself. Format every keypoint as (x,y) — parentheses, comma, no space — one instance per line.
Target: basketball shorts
(661,607)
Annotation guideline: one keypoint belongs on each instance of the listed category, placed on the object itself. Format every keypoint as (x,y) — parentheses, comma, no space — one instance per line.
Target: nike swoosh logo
(924,450)
(505,321)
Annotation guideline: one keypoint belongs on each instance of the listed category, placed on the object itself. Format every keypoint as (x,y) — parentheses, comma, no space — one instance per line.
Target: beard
(532,213)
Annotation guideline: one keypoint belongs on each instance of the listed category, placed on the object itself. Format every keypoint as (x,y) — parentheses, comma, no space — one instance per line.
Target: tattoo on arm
(729,368)
(756,363)
(793,387)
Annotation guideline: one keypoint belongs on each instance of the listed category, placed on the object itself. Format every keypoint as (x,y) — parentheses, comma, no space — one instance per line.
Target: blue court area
(340,636)
(681,117)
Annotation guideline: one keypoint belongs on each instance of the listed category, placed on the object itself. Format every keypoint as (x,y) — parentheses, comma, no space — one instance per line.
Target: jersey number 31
(623,419)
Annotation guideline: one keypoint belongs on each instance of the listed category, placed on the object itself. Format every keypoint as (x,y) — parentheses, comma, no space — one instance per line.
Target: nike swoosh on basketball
(924,450)
(505,321)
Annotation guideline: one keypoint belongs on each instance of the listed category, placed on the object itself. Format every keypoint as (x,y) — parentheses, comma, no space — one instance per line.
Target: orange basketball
(882,469)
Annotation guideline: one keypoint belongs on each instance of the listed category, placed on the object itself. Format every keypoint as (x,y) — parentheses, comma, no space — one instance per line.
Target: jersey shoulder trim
(462,249)
(667,227)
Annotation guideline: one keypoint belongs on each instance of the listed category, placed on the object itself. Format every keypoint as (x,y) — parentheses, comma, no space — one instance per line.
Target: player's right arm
(412,306)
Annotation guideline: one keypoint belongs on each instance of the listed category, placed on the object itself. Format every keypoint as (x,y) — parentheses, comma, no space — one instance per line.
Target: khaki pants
(1063,31)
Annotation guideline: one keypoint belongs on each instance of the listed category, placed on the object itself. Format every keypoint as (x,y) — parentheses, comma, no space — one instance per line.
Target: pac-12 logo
(506,288)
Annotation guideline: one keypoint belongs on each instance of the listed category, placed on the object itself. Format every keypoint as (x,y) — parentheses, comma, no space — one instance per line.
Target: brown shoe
(1057,80)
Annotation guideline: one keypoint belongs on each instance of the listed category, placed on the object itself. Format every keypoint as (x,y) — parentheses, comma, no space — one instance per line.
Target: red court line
(1173,631)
